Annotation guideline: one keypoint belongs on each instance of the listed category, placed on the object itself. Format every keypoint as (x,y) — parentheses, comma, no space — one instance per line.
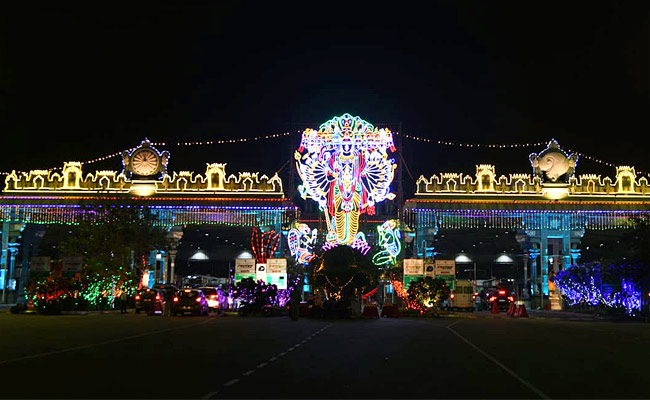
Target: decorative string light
(522,218)
(243,216)
(224,141)
(507,146)
(181,144)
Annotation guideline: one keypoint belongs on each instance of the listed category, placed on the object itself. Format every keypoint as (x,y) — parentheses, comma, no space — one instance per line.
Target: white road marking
(88,346)
(497,362)
(262,365)
(452,324)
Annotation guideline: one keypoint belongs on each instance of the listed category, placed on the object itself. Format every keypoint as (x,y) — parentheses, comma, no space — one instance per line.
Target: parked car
(212,295)
(503,295)
(190,302)
(166,288)
(151,301)
(168,291)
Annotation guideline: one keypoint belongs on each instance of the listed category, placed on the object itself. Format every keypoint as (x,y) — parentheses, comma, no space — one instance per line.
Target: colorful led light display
(301,243)
(528,219)
(264,244)
(389,240)
(344,166)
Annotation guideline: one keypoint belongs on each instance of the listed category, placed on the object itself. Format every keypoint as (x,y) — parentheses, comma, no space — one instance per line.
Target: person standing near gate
(123,297)
(169,295)
(294,304)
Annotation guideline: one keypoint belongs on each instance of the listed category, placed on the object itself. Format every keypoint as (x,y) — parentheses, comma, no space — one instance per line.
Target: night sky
(81,80)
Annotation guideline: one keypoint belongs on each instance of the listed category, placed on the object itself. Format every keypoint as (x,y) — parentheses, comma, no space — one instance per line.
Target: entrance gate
(551,206)
(177,199)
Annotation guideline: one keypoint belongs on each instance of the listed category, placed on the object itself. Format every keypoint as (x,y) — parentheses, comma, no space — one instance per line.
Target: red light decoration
(264,244)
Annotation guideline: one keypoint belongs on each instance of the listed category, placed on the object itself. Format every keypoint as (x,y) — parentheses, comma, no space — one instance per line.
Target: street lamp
(462,258)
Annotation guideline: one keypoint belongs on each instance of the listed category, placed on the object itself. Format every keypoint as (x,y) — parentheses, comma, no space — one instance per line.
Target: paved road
(135,356)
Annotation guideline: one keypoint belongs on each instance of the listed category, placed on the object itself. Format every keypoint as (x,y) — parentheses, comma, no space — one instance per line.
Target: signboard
(429,270)
(260,272)
(280,281)
(244,268)
(413,266)
(276,265)
(72,264)
(39,264)
(413,270)
(276,270)
(446,269)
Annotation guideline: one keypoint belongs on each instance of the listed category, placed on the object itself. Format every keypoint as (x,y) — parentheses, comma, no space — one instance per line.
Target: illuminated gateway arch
(346,167)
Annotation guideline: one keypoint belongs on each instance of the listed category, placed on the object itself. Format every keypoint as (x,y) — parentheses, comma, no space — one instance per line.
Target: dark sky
(80,80)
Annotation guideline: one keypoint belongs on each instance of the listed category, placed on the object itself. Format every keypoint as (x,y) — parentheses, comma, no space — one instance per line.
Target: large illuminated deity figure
(344,166)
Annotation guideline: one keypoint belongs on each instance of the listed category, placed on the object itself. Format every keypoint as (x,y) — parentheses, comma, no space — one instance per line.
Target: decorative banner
(413,270)
(344,166)
(39,264)
(277,272)
(244,268)
(72,264)
(429,270)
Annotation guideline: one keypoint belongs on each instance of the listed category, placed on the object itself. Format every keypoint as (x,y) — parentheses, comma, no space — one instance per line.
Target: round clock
(145,162)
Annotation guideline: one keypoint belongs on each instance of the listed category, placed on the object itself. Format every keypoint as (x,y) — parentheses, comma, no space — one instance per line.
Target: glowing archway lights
(344,166)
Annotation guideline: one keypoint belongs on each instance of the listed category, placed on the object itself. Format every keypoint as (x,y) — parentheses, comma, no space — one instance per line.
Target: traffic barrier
(495,307)
(511,309)
(390,311)
(370,311)
(517,311)
(522,312)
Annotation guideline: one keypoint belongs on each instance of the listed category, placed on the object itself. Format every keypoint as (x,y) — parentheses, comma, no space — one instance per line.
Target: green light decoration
(389,237)
(82,291)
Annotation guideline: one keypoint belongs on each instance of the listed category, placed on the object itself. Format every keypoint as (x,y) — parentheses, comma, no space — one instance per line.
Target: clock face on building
(145,162)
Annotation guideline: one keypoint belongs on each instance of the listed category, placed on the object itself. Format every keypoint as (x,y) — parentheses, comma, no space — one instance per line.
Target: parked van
(462,298)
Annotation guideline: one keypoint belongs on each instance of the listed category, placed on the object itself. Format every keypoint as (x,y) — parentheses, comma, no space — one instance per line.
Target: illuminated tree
(343,273)
(427,293)
(106,243)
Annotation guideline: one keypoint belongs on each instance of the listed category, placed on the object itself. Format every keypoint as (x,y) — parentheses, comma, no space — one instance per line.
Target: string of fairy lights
(178,144)
(284,134)
(508,146)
